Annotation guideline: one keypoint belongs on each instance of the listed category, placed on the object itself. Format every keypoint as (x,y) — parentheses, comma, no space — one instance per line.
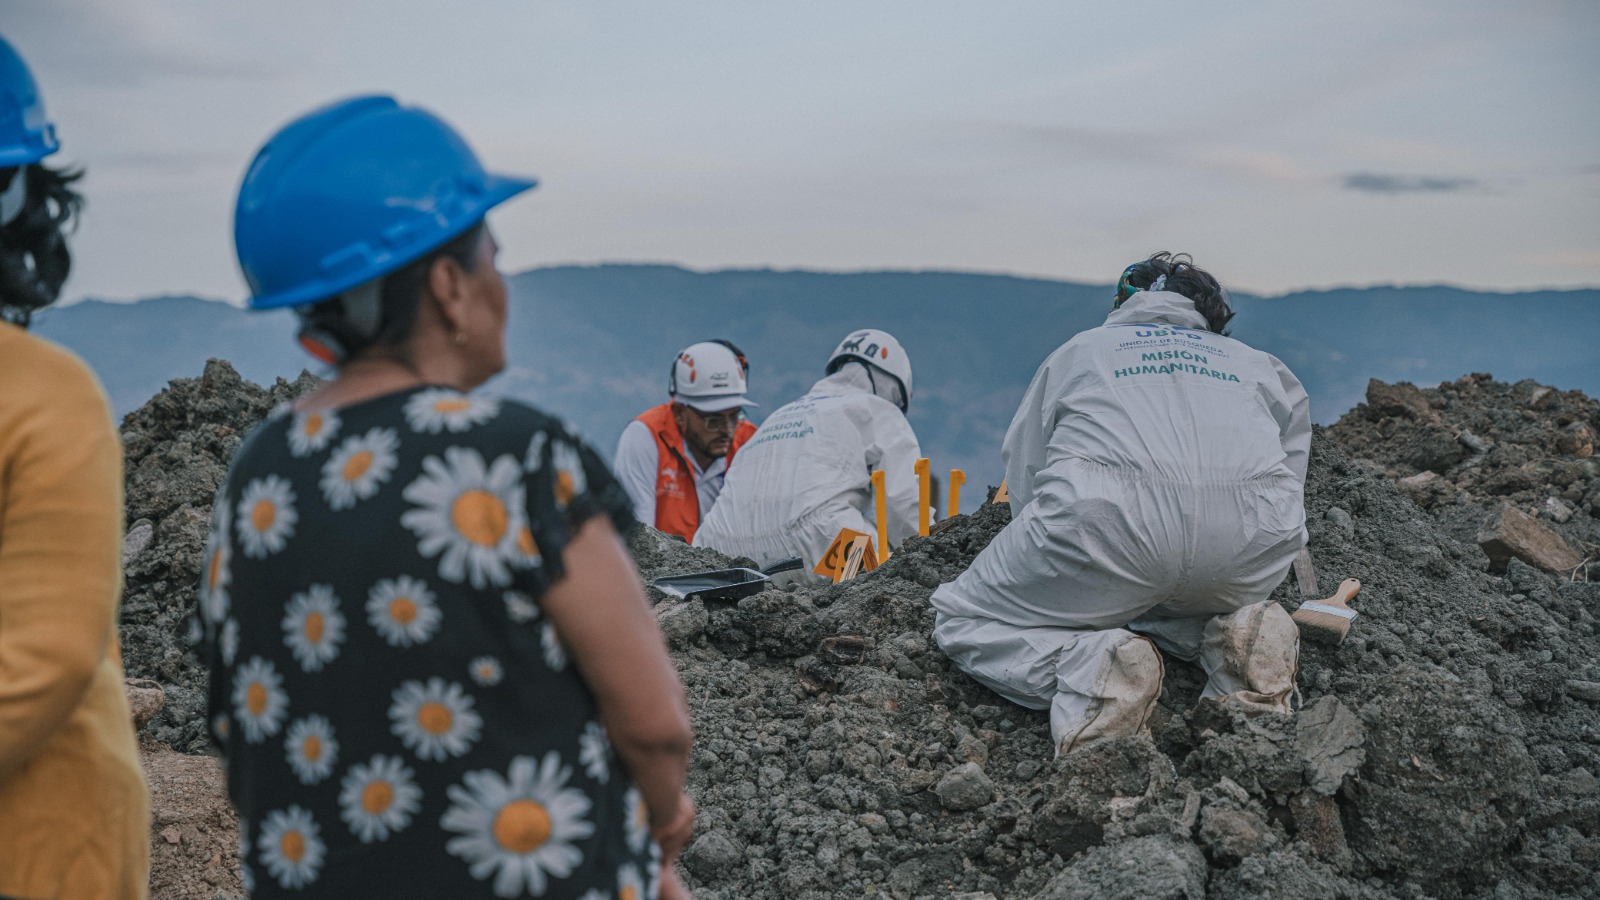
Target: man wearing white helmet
(672,459)
(807,471)
(1156,470)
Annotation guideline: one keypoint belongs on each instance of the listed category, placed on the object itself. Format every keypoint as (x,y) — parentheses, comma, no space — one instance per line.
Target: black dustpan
(724,584)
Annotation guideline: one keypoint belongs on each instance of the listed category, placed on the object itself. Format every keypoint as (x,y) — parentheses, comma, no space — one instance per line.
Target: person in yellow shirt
(74,809)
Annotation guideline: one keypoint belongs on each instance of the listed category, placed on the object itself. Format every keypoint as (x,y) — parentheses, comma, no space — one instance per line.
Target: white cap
(709,377)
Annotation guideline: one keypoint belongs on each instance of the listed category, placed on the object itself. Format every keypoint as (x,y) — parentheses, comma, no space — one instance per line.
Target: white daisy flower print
(313,627)
(486,671)
(359,467)
(520,828)
(569,477)
(555,653)
(247,879)
(221,726)
(290,847)
(378,798)
(219,555)
(403,610)
(469,515)
(311,749)
(593,894)
(312,431)
(528,553)
(442,409)
(259,702)
(520,608)
(533,461)
(434,721)
(630,884)
(228,643)
(594,752)
(638,819)
(266,516)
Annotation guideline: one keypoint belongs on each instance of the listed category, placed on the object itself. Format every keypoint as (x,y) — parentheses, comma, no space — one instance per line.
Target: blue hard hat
(26,136)
(351,192)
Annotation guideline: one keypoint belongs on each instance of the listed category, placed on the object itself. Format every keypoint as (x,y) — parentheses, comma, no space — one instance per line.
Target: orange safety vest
(677,501)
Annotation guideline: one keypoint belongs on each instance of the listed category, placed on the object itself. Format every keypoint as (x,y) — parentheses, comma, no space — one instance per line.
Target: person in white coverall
(1156,470)
(806,473)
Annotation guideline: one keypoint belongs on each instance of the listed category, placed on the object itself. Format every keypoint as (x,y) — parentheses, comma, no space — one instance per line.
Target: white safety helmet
(710,377)
(879,350)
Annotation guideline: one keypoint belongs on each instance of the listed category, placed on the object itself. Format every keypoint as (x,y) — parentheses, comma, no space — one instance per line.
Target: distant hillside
(593,343)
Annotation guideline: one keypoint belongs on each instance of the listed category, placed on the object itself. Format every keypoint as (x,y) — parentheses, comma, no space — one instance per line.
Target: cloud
(1380,183)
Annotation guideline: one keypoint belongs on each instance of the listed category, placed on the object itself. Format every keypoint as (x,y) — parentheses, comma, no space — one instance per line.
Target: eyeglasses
(724,421)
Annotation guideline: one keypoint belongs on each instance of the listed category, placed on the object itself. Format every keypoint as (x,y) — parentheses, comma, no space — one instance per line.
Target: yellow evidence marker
(837,556)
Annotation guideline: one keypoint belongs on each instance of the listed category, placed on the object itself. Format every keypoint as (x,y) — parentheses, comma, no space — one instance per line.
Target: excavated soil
(1464,448)
(1449,748)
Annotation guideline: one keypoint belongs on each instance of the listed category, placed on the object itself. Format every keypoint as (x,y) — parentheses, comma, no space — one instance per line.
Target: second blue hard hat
(351,192)
(26,135)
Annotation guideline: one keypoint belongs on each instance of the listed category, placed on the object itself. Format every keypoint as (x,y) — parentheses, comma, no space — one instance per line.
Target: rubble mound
(1448,748)
(176,450)
(1468,449)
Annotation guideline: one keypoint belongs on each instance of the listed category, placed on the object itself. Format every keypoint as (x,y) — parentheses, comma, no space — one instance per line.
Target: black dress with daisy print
(399,718)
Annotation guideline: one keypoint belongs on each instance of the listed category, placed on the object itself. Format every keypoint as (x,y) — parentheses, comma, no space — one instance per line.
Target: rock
(1584,690)
(1231,833)
(1331,739)
(1157,867)
(137,539)
(1511,533)
(145,700)
(681,623)
(1341,520)
(1576,440)
(843,649)
(1557,510)
(711,854)
(1472,442)
(1400,399)
(964,787)
(1419,481)
(1317,823)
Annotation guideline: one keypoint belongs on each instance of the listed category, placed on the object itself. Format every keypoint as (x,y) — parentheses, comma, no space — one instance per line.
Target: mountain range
(593,343)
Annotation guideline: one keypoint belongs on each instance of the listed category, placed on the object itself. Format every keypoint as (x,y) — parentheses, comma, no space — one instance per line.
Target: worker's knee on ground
(1259,650)
(1126,694)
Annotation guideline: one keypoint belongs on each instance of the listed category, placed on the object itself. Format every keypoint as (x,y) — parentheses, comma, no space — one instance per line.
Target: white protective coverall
(806,473)
(1156,473)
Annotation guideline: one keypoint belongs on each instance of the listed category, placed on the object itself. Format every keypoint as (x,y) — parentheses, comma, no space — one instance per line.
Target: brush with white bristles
(1328,621)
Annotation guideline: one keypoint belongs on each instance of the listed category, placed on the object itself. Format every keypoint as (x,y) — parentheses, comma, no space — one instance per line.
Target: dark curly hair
(1182,278)
(34,259)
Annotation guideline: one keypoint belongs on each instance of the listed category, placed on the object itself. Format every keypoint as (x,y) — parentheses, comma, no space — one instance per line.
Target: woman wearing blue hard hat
(434,672)
(74,809)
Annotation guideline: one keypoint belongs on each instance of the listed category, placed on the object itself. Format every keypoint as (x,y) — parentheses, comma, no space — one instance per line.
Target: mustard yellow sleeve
(60,540)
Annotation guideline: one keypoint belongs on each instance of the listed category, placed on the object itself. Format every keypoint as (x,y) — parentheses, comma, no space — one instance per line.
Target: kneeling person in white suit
(806,473)
(1157,472)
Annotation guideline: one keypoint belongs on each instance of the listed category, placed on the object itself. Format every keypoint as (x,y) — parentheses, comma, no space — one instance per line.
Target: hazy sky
(1285,145)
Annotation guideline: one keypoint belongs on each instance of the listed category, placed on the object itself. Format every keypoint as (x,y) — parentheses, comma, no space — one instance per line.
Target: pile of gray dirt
(1468,447)
(176,450)
(1448,748)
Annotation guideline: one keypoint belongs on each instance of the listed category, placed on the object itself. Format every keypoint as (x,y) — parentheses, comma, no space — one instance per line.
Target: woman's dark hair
(34,259)
(1182,278)
(399,298)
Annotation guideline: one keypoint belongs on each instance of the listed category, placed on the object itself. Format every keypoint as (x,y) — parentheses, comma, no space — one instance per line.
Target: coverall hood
(1152,307)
